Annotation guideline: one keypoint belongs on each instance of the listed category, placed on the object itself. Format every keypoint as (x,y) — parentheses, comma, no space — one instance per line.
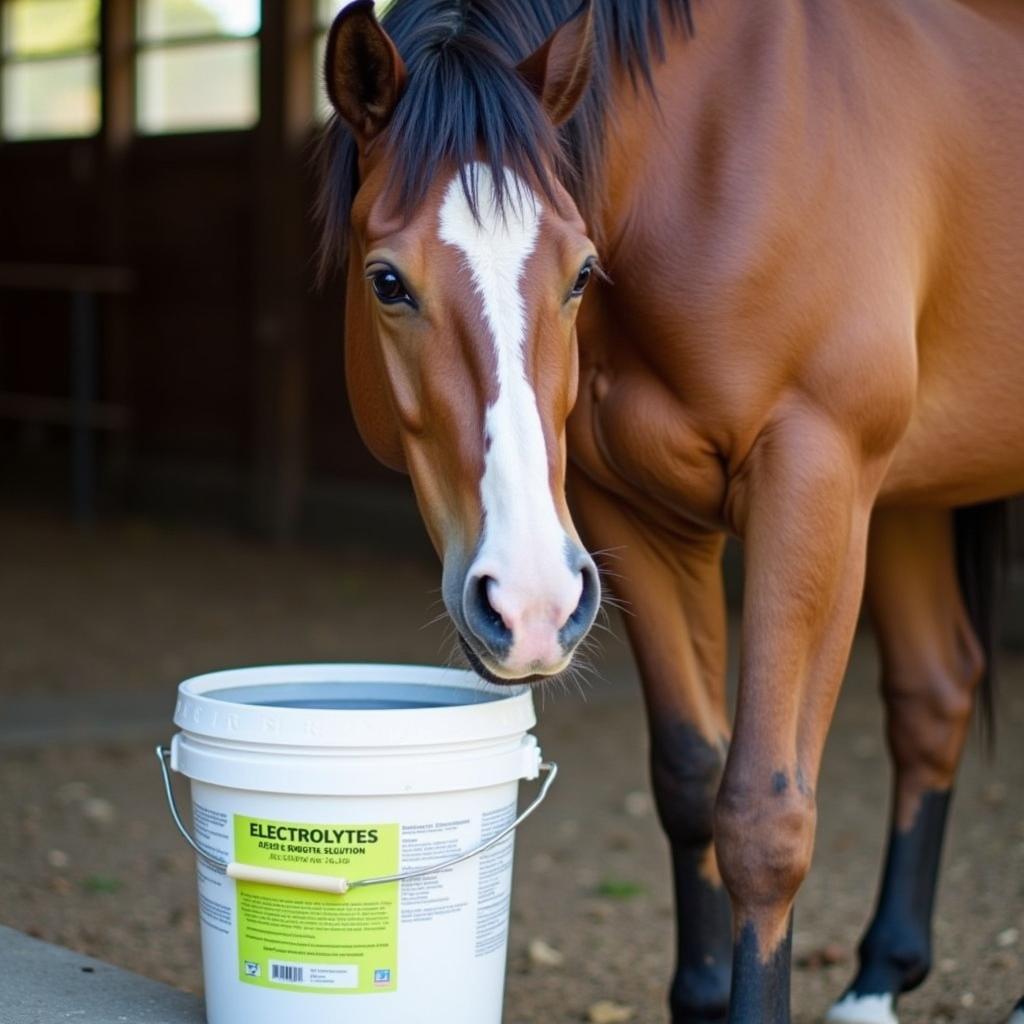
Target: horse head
(466,264)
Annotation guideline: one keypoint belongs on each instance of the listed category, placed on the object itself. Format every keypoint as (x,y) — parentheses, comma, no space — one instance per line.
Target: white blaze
(524,545)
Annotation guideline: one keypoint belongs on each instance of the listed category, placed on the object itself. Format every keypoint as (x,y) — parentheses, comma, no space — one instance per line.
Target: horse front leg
(672,586)
(932,662)
(802,504)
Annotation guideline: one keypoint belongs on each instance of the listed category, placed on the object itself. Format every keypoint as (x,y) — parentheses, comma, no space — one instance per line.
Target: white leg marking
(524,544)
(1017,1017)
(855,1009)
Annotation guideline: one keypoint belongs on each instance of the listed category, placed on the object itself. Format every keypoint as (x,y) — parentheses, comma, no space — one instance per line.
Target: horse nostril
(483,586)
(484,619)
(582,618)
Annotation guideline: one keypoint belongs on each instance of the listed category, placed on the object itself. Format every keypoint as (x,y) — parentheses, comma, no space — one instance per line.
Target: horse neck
(730,103)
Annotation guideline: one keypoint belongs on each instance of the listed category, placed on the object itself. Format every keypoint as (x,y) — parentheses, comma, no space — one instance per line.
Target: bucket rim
(502,711)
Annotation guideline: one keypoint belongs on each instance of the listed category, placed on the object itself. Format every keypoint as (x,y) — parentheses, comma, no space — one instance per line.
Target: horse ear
(363,71)
(559,71)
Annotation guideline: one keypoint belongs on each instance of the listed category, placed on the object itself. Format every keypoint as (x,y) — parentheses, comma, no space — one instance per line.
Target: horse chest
(633,436)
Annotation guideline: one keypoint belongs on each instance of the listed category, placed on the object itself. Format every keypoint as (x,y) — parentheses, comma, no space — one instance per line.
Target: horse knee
(685,772)
(764,838)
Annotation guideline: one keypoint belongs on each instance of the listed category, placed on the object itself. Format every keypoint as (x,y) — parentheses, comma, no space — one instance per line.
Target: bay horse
(798,226)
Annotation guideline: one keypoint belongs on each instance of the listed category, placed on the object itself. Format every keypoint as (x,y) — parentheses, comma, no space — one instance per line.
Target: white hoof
(855,1009)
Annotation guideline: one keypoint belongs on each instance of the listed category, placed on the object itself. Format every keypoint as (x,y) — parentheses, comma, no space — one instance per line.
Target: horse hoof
(1017,1017)
(876,1009)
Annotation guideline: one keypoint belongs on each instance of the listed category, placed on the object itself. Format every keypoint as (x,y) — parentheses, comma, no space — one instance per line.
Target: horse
(637,277)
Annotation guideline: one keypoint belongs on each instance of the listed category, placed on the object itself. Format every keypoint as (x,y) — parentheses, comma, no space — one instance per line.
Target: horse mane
(464,100)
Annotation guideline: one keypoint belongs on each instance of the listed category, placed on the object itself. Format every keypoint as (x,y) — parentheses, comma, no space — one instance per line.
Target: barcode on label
(286,972)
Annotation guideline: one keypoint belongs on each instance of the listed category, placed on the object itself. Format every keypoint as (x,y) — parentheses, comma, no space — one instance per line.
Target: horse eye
(582,279)
(388,287)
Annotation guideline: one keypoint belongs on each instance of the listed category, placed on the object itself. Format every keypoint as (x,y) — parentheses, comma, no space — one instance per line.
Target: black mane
(465,100)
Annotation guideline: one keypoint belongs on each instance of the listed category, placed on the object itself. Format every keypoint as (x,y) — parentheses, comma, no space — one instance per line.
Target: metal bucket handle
(330,883)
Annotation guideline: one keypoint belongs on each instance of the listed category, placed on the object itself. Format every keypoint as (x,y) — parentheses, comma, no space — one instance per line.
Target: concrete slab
(45,984)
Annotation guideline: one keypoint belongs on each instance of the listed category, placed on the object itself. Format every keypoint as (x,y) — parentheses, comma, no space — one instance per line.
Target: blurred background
(182,488)
(163,350)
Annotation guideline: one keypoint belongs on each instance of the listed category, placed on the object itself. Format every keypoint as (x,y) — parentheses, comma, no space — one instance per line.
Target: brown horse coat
(811,340)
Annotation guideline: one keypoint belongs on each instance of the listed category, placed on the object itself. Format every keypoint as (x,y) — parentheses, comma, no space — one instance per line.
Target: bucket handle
(330,883)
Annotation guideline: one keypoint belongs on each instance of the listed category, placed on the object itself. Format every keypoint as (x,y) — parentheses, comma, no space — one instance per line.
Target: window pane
(51,99)
(176,19)
(198,88)
(50,26)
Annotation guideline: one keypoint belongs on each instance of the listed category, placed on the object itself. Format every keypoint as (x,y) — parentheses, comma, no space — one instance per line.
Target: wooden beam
(118,353)
(279,404)
(117,71)
(66,277)
(62,412)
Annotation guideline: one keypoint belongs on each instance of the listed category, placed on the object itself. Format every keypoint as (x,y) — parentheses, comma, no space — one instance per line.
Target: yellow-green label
(310,941)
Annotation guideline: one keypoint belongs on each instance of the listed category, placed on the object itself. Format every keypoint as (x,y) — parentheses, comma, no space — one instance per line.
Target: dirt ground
(96,631)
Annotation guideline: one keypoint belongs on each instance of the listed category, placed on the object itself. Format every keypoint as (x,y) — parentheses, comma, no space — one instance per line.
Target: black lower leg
(686,770)
(895,954)
(760,993)
(700,988)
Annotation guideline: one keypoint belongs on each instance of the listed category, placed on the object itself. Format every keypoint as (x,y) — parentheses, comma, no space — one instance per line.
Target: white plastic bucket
(324,776)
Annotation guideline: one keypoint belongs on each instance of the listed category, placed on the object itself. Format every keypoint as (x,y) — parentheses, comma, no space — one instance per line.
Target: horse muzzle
(522,623)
